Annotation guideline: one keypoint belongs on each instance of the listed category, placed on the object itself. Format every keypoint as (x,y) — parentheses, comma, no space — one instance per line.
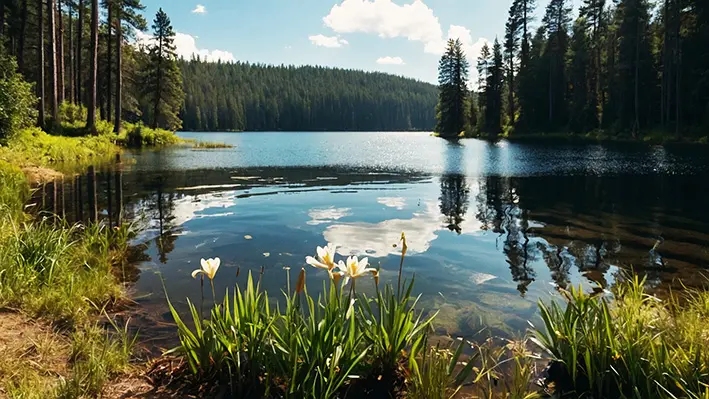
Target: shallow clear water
(491,228)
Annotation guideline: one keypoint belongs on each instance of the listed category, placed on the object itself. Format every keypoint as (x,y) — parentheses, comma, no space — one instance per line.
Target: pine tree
(93,68)
(40,57)
(126,14)
(163,81)
(453,90)
(525,81)
(592,11)
(556,21)
(493,92)
(52,58)
(512,31)
(583,106)
(635,65)
(483,64)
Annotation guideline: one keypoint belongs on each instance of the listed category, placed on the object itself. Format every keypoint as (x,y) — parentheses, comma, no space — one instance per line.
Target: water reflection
(485,245)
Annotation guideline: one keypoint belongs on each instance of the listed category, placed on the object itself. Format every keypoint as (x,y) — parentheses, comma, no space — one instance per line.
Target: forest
(243,96)
(629,68)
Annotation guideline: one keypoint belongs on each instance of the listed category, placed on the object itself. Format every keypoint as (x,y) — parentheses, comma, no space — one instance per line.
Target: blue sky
(404,37)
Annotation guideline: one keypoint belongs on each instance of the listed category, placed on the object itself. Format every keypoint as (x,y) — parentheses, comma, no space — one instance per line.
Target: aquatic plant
(315,346)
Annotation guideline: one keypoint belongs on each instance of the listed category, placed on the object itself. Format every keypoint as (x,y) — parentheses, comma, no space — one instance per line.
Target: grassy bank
(62,277)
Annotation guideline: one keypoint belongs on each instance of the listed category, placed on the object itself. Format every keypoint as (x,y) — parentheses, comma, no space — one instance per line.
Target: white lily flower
(355,268)
(209,268)
(326,258)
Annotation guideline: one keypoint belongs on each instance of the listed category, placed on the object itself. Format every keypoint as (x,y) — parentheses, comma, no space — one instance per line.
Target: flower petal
(322,253)
(315,263)
(204,264)
(197,272)
(217,262)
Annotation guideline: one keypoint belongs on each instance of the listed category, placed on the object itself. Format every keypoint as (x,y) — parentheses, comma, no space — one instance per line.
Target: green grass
(138,136)
(34,147)
(62,274)
(205,145)
(636,346)
(337,344)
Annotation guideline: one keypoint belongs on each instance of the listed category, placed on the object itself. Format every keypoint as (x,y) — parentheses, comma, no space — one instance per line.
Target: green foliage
(452,91)
(33,147)
(97,356)
(435,373)
(637,347)
(138,135)
(17,101)
(392,326)
(243,96)
(162,79)
(209,145)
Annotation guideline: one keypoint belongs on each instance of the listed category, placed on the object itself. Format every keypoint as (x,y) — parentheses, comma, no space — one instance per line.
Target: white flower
(325,260)
(209,268)
(355,268)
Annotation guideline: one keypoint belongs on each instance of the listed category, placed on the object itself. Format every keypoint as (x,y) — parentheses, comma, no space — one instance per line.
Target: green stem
(214,295)
(201,302)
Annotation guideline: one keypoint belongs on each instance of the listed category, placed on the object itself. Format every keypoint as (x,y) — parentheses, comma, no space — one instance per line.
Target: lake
(491,227)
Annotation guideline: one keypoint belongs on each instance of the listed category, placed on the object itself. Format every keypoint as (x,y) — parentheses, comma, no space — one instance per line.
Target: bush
(34,147)
(138,135)
(17,102)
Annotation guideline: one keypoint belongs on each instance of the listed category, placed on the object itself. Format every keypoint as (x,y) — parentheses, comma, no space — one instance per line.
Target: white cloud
(200,9)
(393,202)
(186,46)
(327,215)
(472,49)
(414,21)
(327,41)
(390,61)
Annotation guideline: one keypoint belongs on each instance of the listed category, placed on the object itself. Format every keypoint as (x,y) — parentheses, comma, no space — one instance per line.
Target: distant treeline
(243,96)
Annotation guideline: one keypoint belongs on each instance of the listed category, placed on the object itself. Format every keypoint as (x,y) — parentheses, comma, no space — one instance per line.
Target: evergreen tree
(453,90)
(556,21)
(582,112)
(513,29)
(635,65)
(163,81)
(93,71)
(593,11)
(525,13)
(483,64)
(128,20)
(493,91)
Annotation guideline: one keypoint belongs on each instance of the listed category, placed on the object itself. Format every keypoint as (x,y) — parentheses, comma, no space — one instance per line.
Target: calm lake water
(491,227)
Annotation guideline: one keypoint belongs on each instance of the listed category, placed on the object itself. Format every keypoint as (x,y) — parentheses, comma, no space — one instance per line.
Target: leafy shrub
(17,102)
(138,135)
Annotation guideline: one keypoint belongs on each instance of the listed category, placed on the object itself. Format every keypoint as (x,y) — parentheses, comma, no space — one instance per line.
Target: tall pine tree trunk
(636,88)
(23,29)
(60,53)
(52,58)
(510,91)
(91,119)
(109,58)
(2,19)
(40,66)
(678,68)
(119,71)
(71,75)
(158,85)
(79,55)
